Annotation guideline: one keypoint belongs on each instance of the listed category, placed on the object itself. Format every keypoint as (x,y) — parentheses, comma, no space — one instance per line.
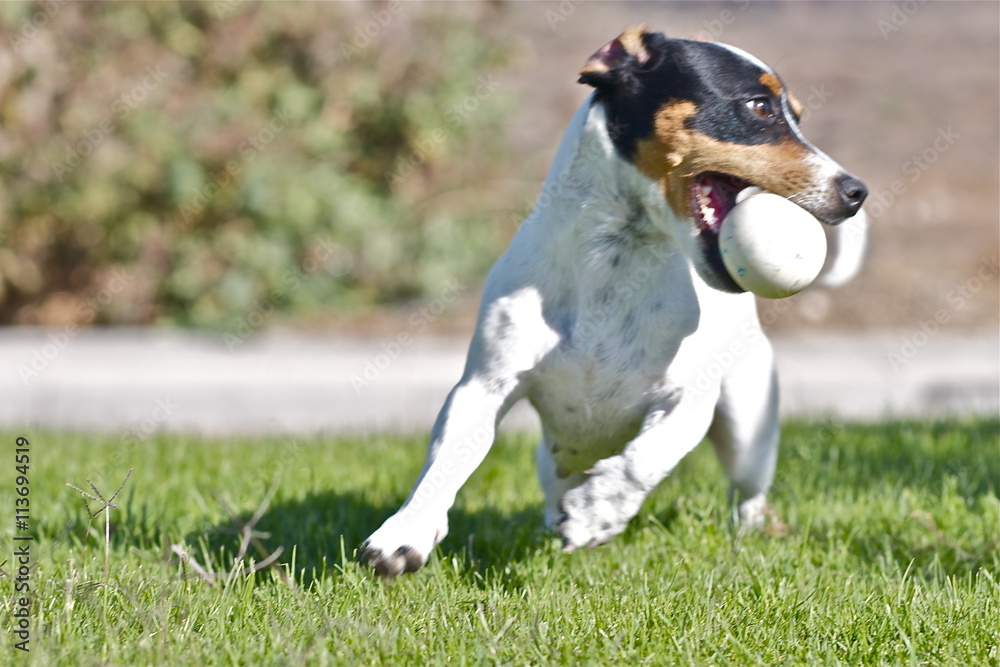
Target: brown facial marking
(674,154)
(771,83)
(661,156)
(797,107)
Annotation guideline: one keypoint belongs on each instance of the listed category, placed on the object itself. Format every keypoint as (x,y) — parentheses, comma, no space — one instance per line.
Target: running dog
(612,312)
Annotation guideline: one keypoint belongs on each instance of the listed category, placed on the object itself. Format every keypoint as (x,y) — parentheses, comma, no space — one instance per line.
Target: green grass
(886,553)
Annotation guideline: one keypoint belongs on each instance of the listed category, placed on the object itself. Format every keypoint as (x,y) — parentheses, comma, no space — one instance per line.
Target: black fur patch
(718,82)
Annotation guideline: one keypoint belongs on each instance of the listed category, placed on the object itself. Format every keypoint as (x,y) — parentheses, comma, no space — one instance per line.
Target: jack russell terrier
(612,302)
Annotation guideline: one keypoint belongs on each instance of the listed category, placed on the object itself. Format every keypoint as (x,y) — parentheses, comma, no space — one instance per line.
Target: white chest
(595,388)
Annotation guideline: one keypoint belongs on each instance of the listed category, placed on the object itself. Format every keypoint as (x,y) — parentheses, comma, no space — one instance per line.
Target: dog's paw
(596,511)
(751,514)
(403,559)
(402,544)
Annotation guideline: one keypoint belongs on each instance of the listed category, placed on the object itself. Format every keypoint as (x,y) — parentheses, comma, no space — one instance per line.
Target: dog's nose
(852,193)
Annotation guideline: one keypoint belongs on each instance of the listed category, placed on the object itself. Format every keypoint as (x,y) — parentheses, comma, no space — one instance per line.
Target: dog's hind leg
(745,432)
(554,485)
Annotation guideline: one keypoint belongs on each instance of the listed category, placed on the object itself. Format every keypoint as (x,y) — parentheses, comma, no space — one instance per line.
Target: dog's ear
(611,64)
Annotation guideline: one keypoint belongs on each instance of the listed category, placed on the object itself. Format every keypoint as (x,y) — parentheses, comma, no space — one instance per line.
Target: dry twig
(248,537)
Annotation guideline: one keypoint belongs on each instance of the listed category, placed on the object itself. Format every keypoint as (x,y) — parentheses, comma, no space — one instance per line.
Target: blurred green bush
(198,163)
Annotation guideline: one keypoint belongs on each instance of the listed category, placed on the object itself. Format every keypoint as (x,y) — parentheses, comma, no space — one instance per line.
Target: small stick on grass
(248,537)
(187,559)
(211,577)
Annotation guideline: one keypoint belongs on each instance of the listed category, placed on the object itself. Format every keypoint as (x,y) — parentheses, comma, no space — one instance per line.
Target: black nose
(852,193)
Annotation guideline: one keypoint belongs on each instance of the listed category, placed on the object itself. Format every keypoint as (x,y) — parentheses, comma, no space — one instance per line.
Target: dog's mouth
(713,196)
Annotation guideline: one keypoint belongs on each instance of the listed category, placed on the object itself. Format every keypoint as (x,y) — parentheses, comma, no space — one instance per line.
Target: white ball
(770,246)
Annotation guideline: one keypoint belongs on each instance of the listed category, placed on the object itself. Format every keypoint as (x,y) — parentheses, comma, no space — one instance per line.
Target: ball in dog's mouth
(771,246)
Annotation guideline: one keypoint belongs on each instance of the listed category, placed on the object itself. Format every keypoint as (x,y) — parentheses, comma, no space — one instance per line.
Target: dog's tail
(850,239)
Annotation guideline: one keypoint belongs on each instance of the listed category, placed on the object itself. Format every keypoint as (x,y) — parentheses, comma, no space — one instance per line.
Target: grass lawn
(885,551)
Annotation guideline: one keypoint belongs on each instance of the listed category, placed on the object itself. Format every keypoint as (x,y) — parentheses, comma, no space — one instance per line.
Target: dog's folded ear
(612,64)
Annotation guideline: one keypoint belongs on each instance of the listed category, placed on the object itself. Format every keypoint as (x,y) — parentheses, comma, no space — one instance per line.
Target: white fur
(851,238)
(596,316)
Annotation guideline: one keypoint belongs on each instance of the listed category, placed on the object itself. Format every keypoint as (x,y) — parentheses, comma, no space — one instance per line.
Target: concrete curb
(136,381)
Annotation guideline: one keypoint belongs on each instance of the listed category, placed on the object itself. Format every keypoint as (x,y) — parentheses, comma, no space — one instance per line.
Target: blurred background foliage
(190,163)
(318,165)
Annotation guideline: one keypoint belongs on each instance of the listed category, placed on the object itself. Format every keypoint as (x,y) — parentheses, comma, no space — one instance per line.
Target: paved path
(122,380)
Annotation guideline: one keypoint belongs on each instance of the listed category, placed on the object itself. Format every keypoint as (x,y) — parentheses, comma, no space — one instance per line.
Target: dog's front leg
(462,436)
(606,497)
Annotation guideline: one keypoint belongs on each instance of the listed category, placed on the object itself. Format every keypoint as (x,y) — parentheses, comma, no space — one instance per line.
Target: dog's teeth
(706,189)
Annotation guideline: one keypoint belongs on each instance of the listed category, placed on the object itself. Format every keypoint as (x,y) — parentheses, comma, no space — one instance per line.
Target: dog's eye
(761,106)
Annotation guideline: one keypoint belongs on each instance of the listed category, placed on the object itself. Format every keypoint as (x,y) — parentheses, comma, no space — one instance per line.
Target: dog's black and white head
(704,120)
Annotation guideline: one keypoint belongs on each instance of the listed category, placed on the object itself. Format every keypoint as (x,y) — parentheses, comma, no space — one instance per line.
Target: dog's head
(705,120)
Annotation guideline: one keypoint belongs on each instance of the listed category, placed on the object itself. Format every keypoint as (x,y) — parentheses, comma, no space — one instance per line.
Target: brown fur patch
(661,156)
(592,67)
(771,83)
(631,39)
(797,107)
(675,154)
